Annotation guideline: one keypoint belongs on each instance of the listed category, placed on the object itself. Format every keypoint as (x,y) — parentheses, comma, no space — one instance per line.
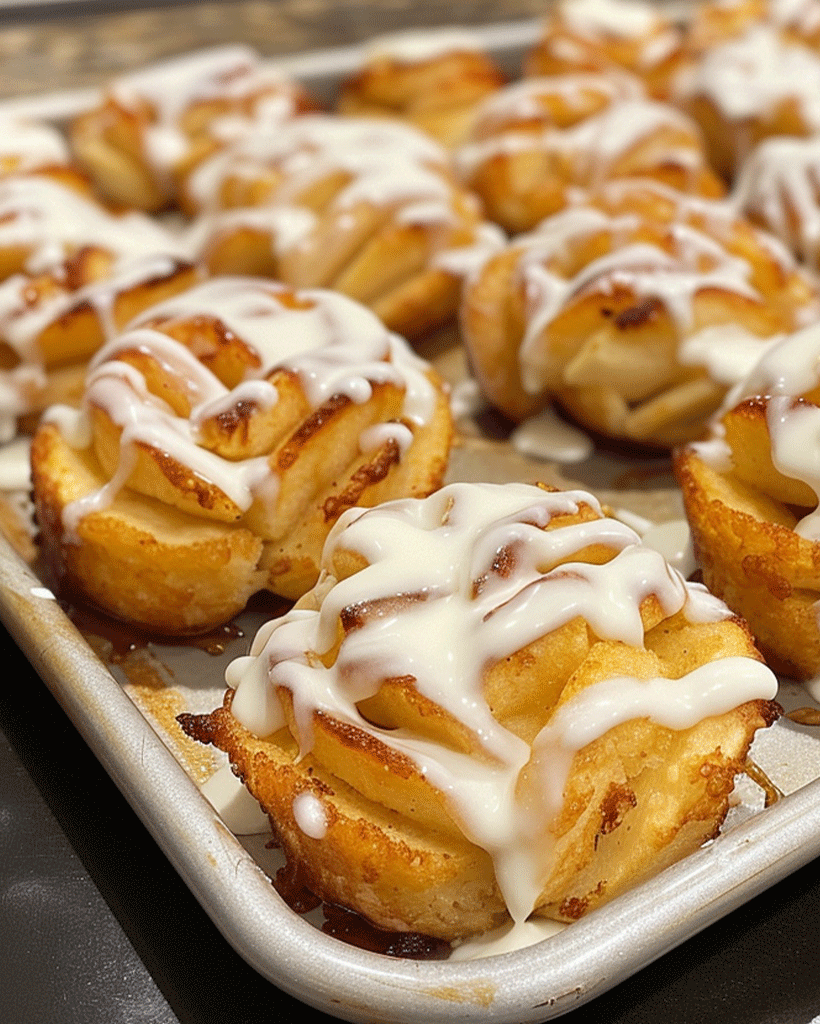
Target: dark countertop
(95,925)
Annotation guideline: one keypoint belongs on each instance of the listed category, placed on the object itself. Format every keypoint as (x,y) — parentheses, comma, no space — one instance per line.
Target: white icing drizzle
(801,15)
(577,23)
(334,345)
(387,166)
(595,144)
(21,322)
(619,18)
(697,260)
(310,815)
(547,436)
(15,468)
(780,184)
(528,99)
(788,368)
(226,73)
(751,76)
(387,163)
(467,617)
(507,939)
(234,804)
(674,541)
(28,144)
(465,260)
(53,221)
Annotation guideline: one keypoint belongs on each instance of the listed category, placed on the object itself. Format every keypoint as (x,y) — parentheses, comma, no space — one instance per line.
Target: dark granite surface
(95,925)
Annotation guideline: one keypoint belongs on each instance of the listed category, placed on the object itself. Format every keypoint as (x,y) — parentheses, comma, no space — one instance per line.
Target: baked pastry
(778,186)
(495,702)
(635,310)
(523,175)
(154,125)
(713,22)
(221,436)
(610,35)
(433,79)
(72,274)
(551,101)
(750,494)
(751,87)
(364,206)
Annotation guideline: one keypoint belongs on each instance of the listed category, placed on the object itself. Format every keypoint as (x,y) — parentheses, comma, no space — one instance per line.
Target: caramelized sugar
(805,716)
(770,791)
(350,927)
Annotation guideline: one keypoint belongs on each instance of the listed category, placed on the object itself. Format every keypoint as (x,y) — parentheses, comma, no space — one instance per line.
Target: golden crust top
(368,207)
(751,493)
(622,308)
(599,35)
(249,406)
(433,80)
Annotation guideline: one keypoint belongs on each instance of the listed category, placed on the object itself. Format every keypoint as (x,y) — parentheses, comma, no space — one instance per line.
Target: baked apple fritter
(220,437)
(495,702)
(635,309)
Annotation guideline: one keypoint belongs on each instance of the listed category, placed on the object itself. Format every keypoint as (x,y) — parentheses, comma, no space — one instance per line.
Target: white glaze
(750,77)
(788,368)
(386,161)
(468,617)
(310,815)
(15,469)
(507,939)
(528,98)
(385,165)
(548,437)
(227,73)
(674,541)
(51,221)
(334,346)
(618,18)
(780,184)
(28,144)
(698,260)
(596,143)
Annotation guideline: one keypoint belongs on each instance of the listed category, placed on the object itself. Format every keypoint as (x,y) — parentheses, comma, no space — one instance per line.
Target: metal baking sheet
(123,696)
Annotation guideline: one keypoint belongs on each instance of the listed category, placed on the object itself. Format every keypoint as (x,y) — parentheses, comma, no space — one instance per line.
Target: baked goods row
(488,701)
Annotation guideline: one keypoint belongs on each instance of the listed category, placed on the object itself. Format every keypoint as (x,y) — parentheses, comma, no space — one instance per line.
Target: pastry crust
(524,173)
(433,80)
(778,187)
(231,426)
(367,207)
(154,126)
(750,495)
(74,274)
(633,310)
(610,35)
(752,72)
(376,765)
